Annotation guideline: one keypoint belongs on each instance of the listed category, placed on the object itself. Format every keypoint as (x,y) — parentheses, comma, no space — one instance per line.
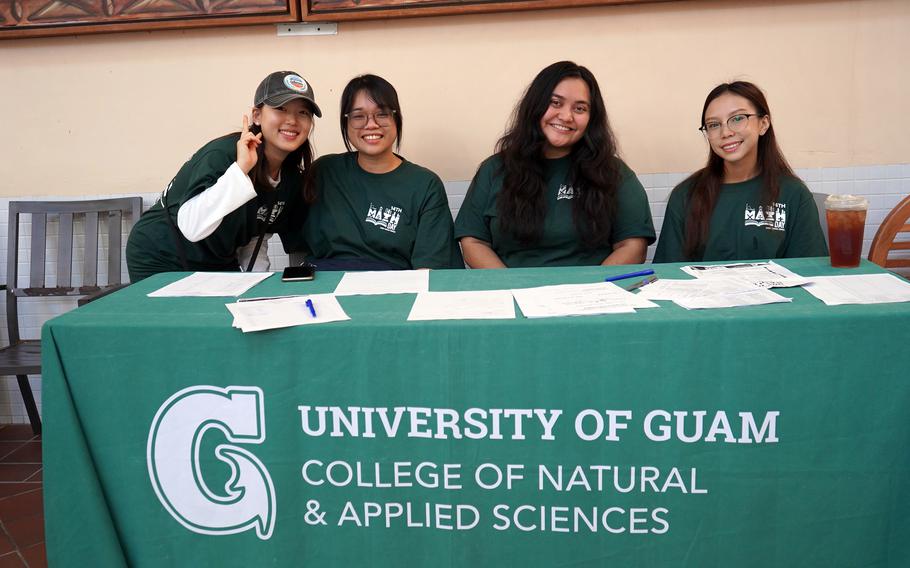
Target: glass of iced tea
(846,215)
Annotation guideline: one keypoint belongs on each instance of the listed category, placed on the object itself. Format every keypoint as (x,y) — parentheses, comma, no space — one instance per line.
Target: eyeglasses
(735,123)
(360,119)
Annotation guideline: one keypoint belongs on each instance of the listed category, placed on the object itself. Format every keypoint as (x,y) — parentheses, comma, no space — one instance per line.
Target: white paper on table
(577,300)
(673,290)
(383,282)
(760,274)
(755,297)
(286,312)
(211,284)
(486,304)
(859,289)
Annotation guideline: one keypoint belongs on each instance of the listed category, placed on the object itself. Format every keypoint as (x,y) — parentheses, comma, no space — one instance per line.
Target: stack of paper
(578,300)
(260,314)
(705,293)
(859,289)
(760,274)
(211,284)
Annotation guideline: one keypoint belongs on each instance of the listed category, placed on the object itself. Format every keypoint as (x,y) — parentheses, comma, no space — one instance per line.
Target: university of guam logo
(247,501)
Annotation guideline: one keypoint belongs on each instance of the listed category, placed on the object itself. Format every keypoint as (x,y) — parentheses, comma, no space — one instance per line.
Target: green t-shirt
(401,217)
(152,247)
(560,243)
(743,229)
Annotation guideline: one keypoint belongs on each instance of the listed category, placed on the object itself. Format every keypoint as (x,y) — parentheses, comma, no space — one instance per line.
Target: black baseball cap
(283,86)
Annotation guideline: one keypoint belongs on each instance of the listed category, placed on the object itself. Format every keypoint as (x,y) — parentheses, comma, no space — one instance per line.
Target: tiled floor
(21,498)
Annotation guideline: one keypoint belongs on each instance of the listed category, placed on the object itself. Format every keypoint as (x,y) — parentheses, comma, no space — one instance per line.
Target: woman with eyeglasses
(375,210)
(746,203)
(556,193)
(219,211)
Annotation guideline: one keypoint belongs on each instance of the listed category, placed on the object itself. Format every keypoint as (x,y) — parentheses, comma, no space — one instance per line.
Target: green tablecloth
(792,448)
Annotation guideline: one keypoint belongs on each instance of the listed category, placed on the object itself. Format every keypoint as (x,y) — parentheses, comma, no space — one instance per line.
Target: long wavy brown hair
(594,169)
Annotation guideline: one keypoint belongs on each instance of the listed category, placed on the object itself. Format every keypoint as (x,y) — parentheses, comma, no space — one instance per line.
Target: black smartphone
(298,273)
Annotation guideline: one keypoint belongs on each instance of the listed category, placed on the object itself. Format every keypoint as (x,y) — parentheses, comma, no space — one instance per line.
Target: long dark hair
(301,158)
(706,182)
(380,91)
(594,171)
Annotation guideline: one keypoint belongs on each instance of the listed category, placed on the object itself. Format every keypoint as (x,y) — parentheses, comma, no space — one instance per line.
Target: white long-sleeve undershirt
(200,216)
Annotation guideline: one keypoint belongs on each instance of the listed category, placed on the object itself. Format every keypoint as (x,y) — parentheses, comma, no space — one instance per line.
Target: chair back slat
(90,266)
(114,228)
(12,246)
(39,243)
(65,251)
(884,242)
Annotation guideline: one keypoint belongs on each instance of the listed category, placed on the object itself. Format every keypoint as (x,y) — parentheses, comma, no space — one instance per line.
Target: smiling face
(284,128)
(737,148)
(566,118)
(373,139)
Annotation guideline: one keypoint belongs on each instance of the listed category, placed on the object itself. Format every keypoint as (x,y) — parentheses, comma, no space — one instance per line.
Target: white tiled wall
(884,187)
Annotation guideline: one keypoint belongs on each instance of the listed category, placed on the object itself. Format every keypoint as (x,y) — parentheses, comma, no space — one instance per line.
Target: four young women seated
(555,193)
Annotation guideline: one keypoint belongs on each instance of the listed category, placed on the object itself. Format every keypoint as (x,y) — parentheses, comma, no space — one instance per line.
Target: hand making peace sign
(246,147)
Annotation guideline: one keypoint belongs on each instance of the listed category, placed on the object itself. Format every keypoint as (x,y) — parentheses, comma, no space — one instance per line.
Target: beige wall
(119,113)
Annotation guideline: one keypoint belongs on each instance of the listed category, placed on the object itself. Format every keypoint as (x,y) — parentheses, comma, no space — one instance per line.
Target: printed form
(859,289)
(211,284)
(578,300)
(276,313)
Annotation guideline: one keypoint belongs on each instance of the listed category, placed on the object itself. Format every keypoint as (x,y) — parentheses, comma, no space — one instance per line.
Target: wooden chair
(23,357)
(895,223)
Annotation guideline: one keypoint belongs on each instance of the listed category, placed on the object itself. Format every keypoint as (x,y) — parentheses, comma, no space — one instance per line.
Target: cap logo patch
(295,83)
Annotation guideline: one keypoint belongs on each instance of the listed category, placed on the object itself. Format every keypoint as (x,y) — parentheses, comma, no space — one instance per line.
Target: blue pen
(309,304)
(629,275)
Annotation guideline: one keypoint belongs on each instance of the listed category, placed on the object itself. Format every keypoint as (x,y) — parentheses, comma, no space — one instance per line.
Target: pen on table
(309,304)
(644,282)
(268,298)
(629,275)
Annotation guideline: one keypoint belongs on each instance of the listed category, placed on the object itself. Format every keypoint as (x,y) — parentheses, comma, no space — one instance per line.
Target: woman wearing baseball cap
(219,211)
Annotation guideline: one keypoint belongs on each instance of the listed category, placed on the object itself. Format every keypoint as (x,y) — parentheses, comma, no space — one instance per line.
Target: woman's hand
(246,147)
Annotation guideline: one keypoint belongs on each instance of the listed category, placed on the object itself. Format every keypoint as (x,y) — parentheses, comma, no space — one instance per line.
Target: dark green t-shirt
(401,217)
(743,229)
(560,243)
(152,247)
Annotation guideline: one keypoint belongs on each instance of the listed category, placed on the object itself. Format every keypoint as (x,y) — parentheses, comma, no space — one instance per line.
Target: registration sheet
(211,284)
(709,293)
(259,315)
(475,305)
(859,289)
(383,282)
(578,300)
(760,274)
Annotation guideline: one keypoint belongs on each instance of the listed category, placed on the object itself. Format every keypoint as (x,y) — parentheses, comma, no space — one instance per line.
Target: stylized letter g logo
(174,465)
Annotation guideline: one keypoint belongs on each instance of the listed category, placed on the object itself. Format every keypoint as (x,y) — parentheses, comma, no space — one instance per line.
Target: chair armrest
(100,294)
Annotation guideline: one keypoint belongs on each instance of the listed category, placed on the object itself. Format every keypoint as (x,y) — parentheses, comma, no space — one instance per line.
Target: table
(173,439)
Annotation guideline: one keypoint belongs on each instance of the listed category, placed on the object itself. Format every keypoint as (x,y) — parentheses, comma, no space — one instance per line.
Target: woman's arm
(200,216)
(628,251)
(479,254)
